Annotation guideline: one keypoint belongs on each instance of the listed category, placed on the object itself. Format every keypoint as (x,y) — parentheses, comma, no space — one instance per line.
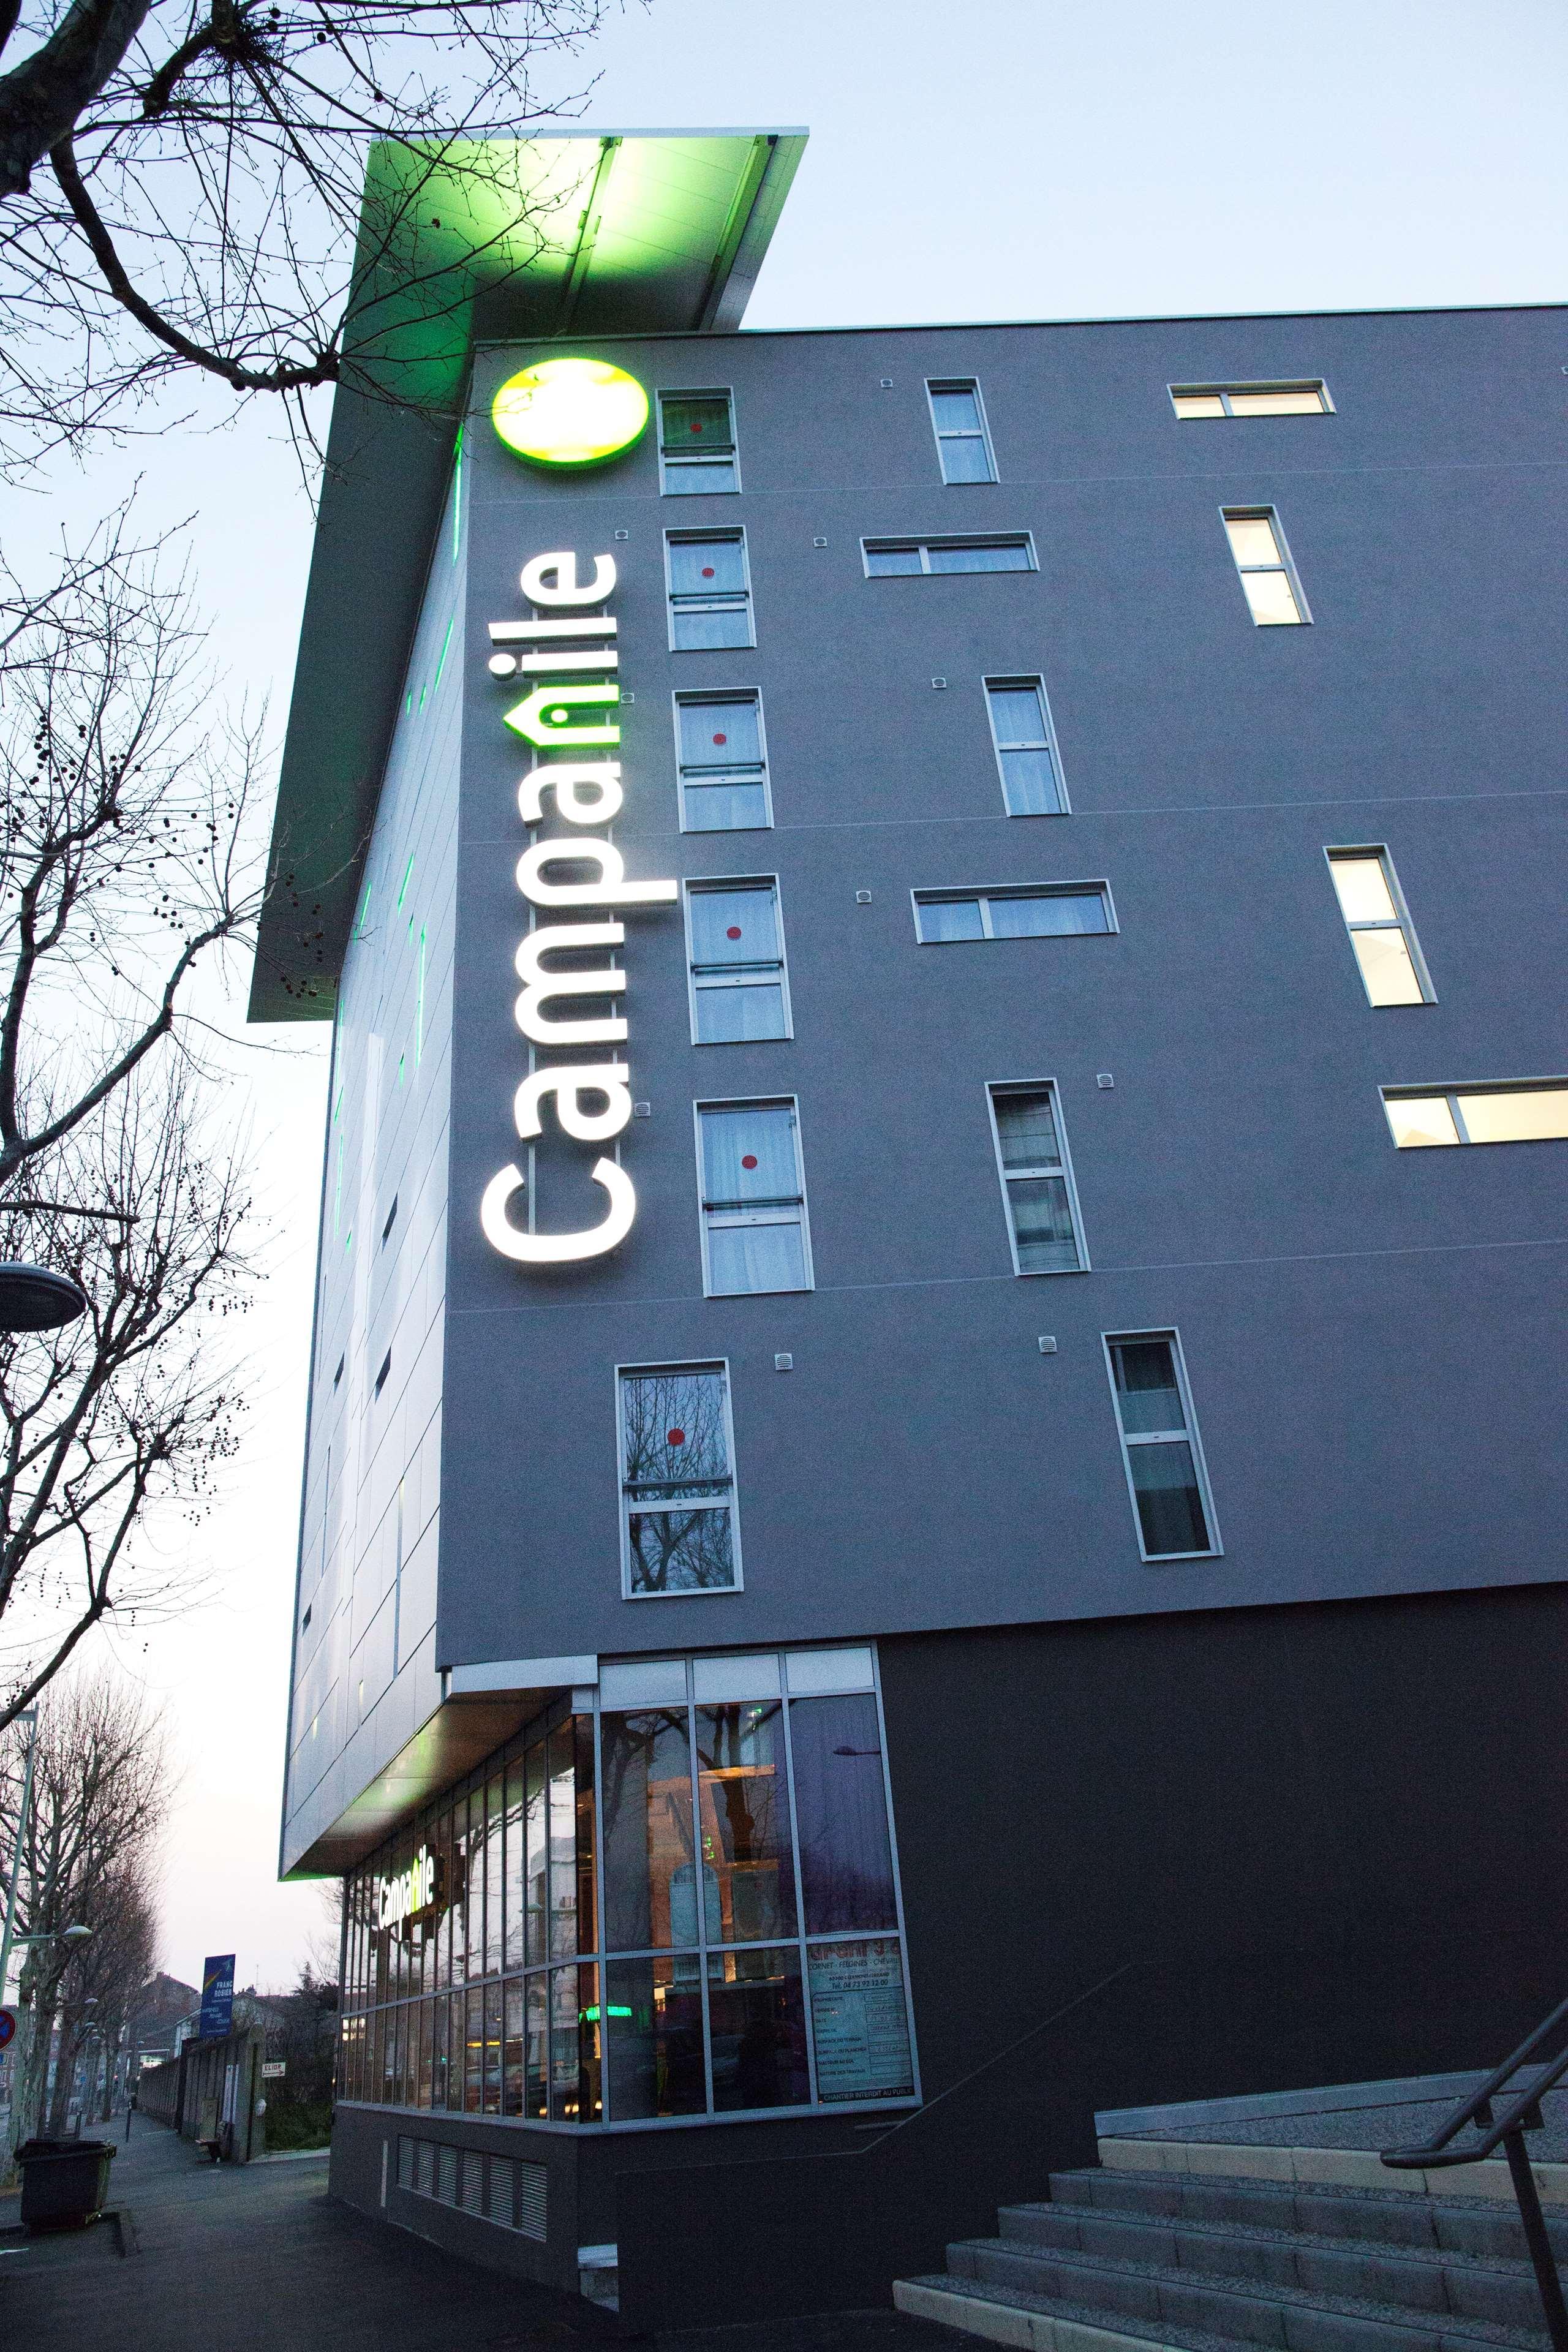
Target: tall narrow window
(1159,1445)
(1036,1181)
(738,987)
(1026,755)
(1378,921)
(710,593)
(754,1199)
(677,1481)
(958,421)
(695,443)
(1268,578)
(722,759)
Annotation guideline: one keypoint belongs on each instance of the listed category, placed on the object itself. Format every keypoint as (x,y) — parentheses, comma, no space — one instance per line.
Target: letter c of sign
(557,1249)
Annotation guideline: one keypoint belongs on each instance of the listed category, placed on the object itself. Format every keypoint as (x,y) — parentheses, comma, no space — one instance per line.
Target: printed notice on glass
(858,2023)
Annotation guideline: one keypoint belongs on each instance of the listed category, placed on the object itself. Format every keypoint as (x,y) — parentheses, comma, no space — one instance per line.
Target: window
(722,761)
(754,1199)
(1159,1445)
(747,1955)
(1533,1113)
(738,992)
(695,443)
(1036,1181)
(889,559)
(677,1481)
(710,594)
(1268,580)
(958,421)
(1052,911)
(1383,938)
(1027,756)
(1307,398)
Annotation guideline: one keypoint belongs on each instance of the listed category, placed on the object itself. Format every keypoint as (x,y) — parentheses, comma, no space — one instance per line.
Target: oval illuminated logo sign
(570,412)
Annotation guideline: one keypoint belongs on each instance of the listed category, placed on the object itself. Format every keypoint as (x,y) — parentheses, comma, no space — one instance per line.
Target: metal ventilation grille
(473,2182)
(531,2179)
(424,2178)
(498,2189)
(446,2173)
(407,2155)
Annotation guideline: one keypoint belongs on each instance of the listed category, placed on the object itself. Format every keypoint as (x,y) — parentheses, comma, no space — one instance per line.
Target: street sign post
(217,1995)
(7,2025)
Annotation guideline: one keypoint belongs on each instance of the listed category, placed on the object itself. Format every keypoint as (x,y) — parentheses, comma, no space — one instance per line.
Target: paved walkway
(257,2258)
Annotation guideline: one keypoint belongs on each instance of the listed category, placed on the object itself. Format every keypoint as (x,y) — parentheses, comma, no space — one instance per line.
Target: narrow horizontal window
(697,443)
(1419,1117)
(1024,740)
(722,761)
(754,1235)
(709,591)
(1054,910)
(1309,397)
(888,558)
(1037,1189)
(958,420)
(1382,936)
(1160,1449)
(677,1480)
(738,991)
(1268,578)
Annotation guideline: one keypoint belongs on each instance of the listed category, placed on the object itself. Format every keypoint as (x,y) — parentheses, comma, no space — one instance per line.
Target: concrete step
(1342,2168)
(1480,2226)
(1228,2303)
(1423,2279)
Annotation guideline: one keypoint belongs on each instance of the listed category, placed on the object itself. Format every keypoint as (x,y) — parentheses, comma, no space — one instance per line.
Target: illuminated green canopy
(577,233)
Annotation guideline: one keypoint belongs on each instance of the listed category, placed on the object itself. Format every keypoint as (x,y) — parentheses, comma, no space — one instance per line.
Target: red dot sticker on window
(697,427)
(748,1159)
(733,932)
(675,1437)
(707,572)
(721,738)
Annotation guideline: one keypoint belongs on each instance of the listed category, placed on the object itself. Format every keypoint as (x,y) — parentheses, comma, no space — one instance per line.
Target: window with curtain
(958,420)
(893,559)
(710,593)
(1159,1445)
(722,763)
(1036,1181)
(738,988)
(697,443)
(1024,742)
(1063,910)
(754,1199)
(1309,398)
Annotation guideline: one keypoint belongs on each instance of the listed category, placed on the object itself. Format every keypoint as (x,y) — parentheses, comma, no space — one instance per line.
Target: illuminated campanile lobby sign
(571,412)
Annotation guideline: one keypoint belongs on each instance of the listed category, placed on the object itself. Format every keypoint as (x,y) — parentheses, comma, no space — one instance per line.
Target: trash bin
(64,2182)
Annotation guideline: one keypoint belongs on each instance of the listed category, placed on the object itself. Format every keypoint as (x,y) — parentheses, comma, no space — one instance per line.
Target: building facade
(937,1394)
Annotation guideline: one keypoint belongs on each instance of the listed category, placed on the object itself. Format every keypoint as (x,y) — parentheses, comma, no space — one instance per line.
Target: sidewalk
(257,2258)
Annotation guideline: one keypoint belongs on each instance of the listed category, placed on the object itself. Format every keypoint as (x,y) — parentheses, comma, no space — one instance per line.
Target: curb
(1007,2323)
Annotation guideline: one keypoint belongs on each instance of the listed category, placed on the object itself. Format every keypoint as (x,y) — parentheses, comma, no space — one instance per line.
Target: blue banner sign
(217,1995)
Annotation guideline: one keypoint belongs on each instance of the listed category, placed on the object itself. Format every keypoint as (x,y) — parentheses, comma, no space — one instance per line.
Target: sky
(1012,158)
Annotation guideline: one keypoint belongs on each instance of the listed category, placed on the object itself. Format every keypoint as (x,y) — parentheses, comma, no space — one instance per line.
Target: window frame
(1012,683)
(676,536)
(695,886)
(682,694)
(970,384)
(1167,1331)
(707,391)
(790,1102)
(994,1087)
(964,894)
(889,541)
(1451,1090)
(1224,391)
(719,1364)
(1264,512)
(1400,921)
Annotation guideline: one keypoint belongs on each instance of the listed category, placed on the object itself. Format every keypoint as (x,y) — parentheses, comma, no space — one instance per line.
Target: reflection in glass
(654,2029)
(1271,598)
(536,2048)
(516,1868)
(757,2024)
(1515,1114)
(535,1827)
(1170,1506)
(682,1552)
(1147,1394)
(473,2050)
(1386,967)
(949,919)
(1252,539)
(743,1810)
(511,2102)
(492,2050)
(576,2046)
(841,1818)
(981,555)
(647,1823)
(1364,892)
(495,1878)
(1420,1120)
(563,1844)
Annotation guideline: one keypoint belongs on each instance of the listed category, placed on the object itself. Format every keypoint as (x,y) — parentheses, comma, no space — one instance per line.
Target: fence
(211,2092)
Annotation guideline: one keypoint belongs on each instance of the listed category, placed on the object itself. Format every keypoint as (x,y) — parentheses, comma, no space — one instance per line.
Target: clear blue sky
(1005,158)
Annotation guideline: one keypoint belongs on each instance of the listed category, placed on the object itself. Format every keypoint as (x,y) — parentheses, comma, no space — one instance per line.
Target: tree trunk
(34,2030)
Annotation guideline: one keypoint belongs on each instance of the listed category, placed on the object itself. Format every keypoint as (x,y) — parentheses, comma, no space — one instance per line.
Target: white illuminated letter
(611,890)
(557,1249)
(541,986)
(611,1079)
(553,579)
(570,780)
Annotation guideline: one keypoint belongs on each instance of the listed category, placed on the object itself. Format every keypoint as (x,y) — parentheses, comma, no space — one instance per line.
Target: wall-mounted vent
(498,2189)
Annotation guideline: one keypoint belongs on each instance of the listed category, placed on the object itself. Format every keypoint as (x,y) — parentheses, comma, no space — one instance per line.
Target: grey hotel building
(933,1498)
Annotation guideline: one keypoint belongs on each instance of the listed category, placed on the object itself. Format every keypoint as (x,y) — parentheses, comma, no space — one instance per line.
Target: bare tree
(100,1793)
(183,188)
(100,1985)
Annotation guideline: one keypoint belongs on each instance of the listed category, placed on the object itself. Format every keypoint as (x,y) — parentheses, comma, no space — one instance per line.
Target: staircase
(1204,2248)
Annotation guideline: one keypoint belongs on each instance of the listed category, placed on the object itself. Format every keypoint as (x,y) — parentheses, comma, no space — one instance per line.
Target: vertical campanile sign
(569,413)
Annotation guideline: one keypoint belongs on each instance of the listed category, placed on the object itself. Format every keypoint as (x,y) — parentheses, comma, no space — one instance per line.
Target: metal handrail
(1522,2115)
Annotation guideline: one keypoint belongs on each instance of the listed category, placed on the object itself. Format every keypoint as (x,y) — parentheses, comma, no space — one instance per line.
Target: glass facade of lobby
(674,1896)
